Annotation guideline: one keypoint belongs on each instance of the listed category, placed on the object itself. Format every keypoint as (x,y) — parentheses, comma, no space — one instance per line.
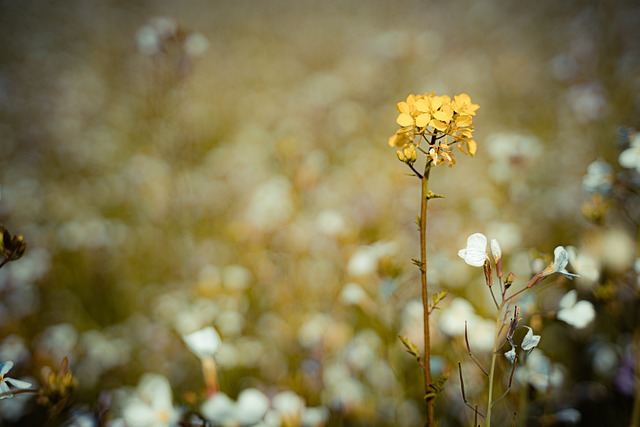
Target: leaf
(436,387)
(411,348)
(438,297)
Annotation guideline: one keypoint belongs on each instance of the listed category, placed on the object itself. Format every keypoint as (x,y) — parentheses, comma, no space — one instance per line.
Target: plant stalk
(492,369)
(425,295)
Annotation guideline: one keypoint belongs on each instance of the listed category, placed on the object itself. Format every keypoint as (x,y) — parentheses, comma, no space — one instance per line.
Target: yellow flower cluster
(439,121)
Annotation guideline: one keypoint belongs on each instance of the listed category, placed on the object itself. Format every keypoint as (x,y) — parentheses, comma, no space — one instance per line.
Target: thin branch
(464,397)
(466,340)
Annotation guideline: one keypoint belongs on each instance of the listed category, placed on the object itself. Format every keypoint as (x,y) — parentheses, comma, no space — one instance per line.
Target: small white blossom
(5,392)
(203,343)
(152,405)
(511,355)
(530,341)
(576,313)
(496,251)
(630,158)
(475,253)
(560,261)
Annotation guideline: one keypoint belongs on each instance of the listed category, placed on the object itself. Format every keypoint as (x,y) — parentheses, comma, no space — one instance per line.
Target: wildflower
(475,254)
(250,408)
(5,392)
(530,341)
(576,313)
(439,121)
(152,406)
(539,372)
(559,264)
(630,158)
(204,344)
(599,178)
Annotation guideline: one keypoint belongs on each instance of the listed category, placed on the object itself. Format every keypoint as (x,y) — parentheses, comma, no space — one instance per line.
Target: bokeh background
(176,165)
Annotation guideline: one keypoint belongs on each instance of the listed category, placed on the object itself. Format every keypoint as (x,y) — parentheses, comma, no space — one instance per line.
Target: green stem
(425,294)
(492,369)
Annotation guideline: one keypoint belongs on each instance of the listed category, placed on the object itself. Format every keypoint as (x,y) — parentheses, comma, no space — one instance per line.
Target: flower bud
(509,280)
(488,278)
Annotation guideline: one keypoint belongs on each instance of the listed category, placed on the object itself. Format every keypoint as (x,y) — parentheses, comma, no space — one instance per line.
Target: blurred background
(176,165)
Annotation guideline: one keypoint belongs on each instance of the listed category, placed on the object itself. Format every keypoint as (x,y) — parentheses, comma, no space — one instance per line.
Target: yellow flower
(462,105)
(438,121)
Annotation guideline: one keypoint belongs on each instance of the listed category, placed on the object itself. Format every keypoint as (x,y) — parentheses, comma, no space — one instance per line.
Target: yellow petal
(422,105)
(472,147)
(463,120)
(423,120)
(403,107)
(405,119)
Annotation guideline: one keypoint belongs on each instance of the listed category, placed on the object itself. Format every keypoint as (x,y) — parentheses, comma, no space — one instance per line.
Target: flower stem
(492,369)
(429,401)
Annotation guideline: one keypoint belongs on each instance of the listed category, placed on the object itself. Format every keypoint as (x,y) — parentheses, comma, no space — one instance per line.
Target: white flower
(496,251)
(250,408)
(152,405)
(630,158)
(539,372)
(599,177)
(530,341)
(475,253)
(203,343)
(5,392)
(560,261)
(511,355)
(577,314)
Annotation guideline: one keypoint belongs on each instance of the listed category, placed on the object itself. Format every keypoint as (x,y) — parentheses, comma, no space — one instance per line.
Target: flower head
(559,264)
(204,342)
(439,121)
(5,391)
(152,406)
(475,253)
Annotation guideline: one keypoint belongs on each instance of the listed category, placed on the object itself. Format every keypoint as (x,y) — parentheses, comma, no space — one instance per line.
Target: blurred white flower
(250,408)
(577,314)
(5,391)
(451,320)
(599,177)
(630,158)
(569,416)
(204,342)
(539,372)
(560,261)
(152,405)
(475,253)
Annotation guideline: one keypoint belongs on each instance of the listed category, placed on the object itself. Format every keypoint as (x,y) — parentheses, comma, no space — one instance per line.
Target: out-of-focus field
(176,165)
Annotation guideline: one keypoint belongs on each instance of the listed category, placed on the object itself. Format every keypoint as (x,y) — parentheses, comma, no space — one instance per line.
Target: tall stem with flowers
(507,314)
(431,125)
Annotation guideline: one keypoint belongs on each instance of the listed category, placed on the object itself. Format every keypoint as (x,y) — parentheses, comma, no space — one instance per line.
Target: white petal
(6,367)
(530,341)
(561,258)
(511,355)
(251,407)
(203,343)
(496,251)
(4,390)
(475,253)
(18,383)
(569,299)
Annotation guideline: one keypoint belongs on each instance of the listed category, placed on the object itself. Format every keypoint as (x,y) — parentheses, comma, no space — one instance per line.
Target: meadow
(218,232)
